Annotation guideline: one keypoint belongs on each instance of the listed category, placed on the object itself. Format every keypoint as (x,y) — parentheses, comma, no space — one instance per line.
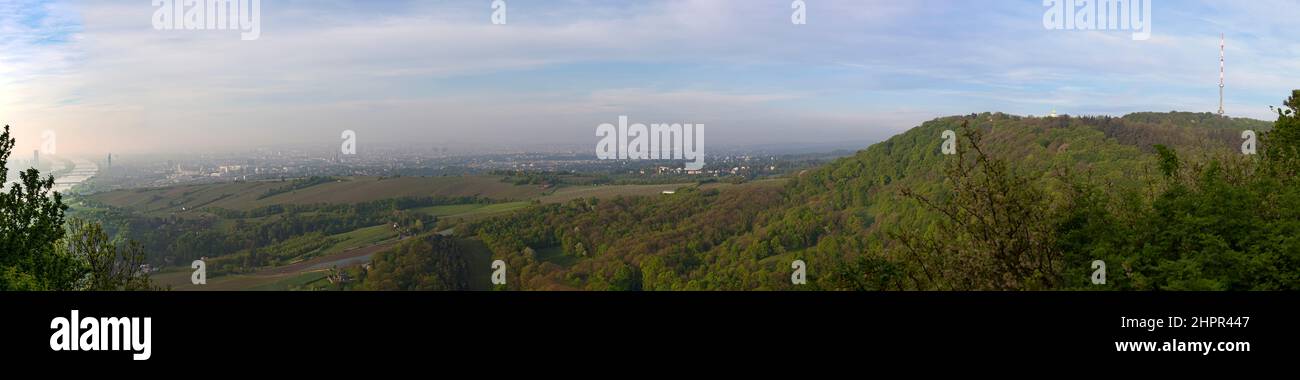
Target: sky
(441,73)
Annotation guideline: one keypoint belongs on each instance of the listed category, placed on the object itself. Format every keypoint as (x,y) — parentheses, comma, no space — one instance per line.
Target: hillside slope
(844,219)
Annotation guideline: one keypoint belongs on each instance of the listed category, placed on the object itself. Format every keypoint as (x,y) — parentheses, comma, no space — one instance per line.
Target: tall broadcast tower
(1222,43)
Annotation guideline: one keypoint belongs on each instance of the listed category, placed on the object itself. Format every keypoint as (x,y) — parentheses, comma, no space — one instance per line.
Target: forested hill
(1121,150)
(1202,120)
(852,216)
(891,216)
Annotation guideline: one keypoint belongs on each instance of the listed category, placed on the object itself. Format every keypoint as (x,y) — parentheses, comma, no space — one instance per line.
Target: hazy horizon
(442,74)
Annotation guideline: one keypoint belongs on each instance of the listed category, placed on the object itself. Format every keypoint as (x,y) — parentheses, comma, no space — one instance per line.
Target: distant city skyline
(441,74)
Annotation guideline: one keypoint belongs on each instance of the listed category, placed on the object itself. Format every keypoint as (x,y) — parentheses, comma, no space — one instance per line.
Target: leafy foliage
(31,221)
(37,253)
(999,227)
(110,266)
(430,263)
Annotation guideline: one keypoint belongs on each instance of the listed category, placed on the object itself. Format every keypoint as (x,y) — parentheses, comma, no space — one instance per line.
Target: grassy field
(256,282)
(293,282)
(566,194)
(472,211)
(362,237)
(449,210)
(179,279)
(357,190)
(244,195)
(187,200)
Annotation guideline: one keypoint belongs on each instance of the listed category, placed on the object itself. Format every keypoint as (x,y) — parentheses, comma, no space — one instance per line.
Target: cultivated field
(244,195)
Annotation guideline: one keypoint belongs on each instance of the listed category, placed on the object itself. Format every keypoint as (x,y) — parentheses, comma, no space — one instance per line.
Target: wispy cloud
(415,70)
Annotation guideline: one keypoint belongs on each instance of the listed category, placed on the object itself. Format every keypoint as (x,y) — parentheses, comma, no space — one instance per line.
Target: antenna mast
(1222,43)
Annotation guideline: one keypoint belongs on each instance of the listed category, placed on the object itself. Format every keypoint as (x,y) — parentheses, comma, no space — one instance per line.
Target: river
(82,170)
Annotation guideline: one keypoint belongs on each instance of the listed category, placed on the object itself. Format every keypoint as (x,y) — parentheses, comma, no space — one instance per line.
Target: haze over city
(441,73)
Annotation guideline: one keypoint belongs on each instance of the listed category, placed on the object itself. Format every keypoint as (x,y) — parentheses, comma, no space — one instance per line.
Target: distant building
(339,277)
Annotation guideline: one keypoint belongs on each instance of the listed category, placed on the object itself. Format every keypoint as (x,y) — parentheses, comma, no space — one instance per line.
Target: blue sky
(439,72)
